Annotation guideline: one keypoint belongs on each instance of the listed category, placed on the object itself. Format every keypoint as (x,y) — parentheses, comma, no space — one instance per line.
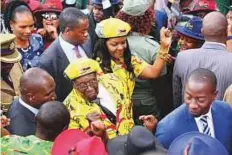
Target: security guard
(11,70)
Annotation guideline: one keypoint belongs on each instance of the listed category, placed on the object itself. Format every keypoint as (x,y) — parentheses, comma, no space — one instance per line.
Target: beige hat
(135,7)
(9,53)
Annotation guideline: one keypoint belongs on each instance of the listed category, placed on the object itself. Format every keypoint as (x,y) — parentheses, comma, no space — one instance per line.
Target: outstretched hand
(149,121)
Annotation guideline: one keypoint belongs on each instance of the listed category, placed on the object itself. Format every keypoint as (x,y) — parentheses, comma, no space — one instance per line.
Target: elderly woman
(113,52)
(19,20)
(47,18)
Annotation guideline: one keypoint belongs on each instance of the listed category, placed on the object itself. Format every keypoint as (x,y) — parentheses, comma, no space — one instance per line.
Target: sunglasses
(51,16)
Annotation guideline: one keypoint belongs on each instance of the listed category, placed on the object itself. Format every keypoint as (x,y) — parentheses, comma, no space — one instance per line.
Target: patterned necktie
(206,128)
(78,55)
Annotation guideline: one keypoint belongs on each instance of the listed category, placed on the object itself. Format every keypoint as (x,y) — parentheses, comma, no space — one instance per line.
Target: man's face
(87,85)
(44,93)
(229,17)
(79,34)
(198,97)
(98,13)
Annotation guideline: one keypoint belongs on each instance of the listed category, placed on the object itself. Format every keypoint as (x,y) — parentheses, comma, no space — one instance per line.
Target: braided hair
(11,9)
(101,51)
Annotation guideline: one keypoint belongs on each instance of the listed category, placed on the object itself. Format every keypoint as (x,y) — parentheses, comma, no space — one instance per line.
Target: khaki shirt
(7,93)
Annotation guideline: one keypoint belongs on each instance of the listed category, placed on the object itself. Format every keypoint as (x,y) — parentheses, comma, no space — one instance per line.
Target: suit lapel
(27,113)
(217,122)
(192,126)
(63,60)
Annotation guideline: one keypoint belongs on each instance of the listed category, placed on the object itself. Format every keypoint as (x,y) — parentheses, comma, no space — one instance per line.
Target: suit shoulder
(174,117)
(223,106)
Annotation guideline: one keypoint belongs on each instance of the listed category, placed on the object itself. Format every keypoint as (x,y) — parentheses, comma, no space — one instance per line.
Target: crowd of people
(116,77)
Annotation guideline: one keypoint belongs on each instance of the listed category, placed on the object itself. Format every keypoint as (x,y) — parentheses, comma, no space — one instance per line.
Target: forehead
(83,24)
(196,87)
(86,78)
(24,18)
(118,39)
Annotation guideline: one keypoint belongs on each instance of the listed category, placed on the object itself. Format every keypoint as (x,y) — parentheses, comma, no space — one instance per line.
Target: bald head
(34,77)
(215,27)
(202,75)
(37,87)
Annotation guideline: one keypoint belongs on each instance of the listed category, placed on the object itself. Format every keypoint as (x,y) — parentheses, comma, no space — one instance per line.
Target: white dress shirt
(32,109)
(69,50)
(209,121)
(106,100)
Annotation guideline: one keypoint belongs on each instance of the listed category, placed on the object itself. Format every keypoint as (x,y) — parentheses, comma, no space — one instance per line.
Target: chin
(92,98)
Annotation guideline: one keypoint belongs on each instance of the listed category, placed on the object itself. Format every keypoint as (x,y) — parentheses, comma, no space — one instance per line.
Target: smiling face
(116,47)
(186,43)
(23,25)
(50,19)
(198,97)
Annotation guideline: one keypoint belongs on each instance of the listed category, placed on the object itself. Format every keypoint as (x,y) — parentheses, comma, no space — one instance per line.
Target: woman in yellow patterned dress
(114,56)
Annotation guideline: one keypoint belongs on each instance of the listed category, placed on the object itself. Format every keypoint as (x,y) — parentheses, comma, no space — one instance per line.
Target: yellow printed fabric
(79,108)
(122,84)
(17,145)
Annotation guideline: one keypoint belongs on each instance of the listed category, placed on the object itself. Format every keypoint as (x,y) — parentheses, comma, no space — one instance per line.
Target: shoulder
(222,106)
(175,117)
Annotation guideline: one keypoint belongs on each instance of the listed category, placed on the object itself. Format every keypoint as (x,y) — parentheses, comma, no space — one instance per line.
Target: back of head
(215,27)
(12,8)
(202,75)
(70,17)
(52,119)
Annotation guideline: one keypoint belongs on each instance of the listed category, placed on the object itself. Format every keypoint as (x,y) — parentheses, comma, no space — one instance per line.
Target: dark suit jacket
(54,61)
(22,120)
(180,121)
(211,56)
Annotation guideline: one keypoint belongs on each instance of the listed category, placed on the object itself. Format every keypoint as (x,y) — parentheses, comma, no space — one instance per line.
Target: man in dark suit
(36,88)
(66,48)
(213,55)
(201,112)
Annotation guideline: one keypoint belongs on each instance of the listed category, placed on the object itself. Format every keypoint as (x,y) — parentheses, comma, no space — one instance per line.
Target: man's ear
(215,94)
(67,30)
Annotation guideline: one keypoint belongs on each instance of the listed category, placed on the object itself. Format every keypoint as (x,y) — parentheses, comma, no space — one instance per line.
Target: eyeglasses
(84,86)
(51,16)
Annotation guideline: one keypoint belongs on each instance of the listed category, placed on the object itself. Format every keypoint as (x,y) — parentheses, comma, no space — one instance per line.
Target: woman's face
(23,25)
(229,17)
(188,43)
(116,47)
(50,19)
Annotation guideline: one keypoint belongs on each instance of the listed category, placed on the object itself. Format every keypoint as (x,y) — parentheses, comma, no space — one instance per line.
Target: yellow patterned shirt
(121,84)
(79,108)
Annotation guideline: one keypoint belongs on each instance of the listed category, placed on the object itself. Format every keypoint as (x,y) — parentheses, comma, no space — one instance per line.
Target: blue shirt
(30,55)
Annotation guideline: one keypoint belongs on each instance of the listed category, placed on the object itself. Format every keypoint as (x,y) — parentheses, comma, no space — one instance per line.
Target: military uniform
(10,82)
(144,101)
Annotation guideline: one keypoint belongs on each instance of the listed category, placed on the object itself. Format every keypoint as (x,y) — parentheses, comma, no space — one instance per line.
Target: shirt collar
(32,109)
(65,43)
(211,42)
(209,115)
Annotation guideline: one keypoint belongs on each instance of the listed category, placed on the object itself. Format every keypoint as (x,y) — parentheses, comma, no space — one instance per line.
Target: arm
(177,85)
(154,71)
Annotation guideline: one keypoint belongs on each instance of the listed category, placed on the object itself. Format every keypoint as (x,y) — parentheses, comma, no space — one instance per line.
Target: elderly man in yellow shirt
(98,96)
(83,101)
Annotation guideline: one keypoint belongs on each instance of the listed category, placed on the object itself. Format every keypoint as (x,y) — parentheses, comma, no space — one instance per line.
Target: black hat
(139,141)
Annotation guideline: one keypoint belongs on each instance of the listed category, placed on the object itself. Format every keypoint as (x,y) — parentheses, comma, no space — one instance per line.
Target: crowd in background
(117,77)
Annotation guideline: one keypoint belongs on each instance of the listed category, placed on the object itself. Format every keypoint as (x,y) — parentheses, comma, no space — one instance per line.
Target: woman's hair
(11,9)
(101,51)
(141,24)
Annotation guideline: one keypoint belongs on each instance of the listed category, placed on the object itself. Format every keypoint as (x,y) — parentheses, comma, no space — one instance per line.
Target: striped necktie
(206,128)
